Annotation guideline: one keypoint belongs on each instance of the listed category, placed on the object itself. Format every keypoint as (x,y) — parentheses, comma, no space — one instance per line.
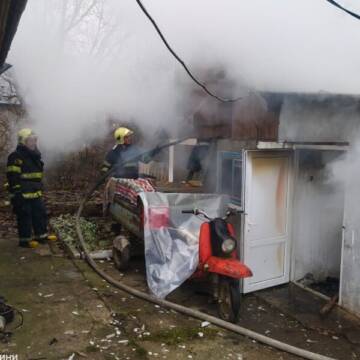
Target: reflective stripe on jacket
(25,172)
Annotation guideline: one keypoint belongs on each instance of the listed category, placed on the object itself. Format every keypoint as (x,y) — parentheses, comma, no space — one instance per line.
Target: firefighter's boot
(32,244)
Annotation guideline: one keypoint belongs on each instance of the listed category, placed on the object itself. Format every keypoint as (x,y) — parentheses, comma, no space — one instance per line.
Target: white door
(266,243)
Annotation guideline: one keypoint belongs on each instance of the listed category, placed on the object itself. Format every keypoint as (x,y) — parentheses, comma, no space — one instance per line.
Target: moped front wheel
(229,299)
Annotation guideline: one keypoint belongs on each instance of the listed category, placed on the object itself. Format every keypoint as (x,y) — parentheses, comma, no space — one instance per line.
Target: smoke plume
(79,62)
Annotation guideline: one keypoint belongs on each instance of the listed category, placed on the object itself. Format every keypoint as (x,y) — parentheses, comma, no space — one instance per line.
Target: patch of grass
(140,351)
(180,335)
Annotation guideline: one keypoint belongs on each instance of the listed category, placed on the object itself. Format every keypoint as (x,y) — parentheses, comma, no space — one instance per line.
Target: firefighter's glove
(17,202)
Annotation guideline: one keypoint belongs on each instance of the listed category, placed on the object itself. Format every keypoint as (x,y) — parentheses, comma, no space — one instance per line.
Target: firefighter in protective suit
(24,174)
(124,152)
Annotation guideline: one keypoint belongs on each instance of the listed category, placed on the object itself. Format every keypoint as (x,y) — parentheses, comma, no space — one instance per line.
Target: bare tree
(88,26)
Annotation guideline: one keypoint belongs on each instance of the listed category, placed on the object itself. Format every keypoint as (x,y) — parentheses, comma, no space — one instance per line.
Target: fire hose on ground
(170,305)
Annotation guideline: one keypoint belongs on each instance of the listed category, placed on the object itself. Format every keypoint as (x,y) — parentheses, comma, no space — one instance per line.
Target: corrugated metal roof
(10,14)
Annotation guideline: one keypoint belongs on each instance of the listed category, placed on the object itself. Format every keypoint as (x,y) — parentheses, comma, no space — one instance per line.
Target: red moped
(219,262)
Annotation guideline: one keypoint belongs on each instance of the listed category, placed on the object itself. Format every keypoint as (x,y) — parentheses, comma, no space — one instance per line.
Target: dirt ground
(70,310)
(71,313)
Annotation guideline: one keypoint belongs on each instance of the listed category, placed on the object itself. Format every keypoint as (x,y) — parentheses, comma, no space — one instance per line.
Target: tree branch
(81,17)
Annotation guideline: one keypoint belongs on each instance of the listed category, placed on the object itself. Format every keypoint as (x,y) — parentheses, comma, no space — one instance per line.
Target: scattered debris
(53,341)
(81,354)
(125,342)
(64,226)
(329,305)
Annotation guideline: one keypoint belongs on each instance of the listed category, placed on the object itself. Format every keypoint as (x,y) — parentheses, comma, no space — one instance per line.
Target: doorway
(318,220)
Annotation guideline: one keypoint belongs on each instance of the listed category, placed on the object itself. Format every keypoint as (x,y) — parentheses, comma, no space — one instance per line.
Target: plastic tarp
(172,238)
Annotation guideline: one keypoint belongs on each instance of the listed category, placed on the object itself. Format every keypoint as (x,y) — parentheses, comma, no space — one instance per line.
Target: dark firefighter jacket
(196,159)
(123,155)
(25,172)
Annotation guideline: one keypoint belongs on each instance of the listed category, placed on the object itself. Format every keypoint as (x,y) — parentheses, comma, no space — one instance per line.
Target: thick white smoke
(73,78)
(77,62)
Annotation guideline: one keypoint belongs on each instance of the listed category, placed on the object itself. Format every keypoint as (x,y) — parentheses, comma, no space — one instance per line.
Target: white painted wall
(318,216)
(317,231)
(350,285)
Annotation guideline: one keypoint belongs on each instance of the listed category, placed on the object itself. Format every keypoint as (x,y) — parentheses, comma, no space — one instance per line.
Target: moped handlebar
(187,211)
(197,212)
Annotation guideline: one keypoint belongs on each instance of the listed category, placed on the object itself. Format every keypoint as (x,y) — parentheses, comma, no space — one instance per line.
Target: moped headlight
(228,246)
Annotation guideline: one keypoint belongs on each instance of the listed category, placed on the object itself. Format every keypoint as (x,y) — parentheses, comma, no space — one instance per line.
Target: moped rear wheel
(229,299)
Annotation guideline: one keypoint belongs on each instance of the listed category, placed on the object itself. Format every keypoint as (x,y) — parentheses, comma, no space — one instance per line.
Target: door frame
(295,165)
(290,201)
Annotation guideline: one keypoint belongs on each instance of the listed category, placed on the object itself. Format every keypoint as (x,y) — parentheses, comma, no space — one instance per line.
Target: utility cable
(177,57)
(332,2)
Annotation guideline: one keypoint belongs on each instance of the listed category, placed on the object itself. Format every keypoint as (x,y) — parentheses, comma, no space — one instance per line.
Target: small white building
(277,157)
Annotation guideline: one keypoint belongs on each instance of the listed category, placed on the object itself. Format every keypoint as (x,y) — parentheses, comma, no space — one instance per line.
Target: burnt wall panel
(250,119)
(213,120)
(253,120)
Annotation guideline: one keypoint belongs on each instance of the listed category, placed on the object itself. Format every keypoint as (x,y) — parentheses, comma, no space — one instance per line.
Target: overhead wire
(178,58)
(336,4)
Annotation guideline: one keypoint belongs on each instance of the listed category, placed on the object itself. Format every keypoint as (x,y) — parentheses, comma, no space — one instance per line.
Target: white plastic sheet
(172,238)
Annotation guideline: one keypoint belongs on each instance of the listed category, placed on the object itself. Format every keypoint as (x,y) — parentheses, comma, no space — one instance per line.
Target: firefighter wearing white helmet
(24,174)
